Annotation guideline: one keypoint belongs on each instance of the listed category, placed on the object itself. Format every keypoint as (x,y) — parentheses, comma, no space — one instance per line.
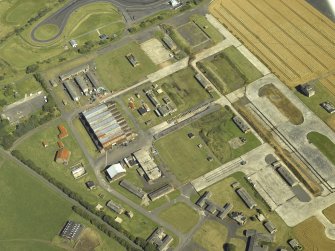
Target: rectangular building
(160,192)
(71,90)
(74,72)
(133,189)
(82,84)
(241,124)
(150,168)
(115,207)
(247,199)
(287,176)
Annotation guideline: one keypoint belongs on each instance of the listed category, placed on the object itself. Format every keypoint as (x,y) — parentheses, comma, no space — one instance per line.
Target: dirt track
(292,38)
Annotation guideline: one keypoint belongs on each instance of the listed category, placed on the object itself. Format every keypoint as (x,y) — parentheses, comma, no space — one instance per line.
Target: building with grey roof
(225,211)
(202,81)
(160,192)
(169,43)
(82,84)
(201,202)
(147,163)
(93,79)
(133,189)
(71,89)
(287,176)
(241,124)
(74,72)
(115,207)
(132,60)
(247,199)
(71,230)
(160,239)
(270,227)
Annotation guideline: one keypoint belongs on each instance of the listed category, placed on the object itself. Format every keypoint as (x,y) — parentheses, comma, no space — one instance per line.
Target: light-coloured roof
(115,170)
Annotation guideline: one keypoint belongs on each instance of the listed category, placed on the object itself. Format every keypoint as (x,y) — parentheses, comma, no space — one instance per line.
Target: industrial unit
(106,126)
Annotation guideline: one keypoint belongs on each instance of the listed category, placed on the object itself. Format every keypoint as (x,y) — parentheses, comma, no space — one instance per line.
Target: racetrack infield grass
(212,235)
(117,73)
(229,70)
(311,235)
(46,31)
(324,144)
(322,94)
(139,225)
(29,218)
(282,103)
(222,193)
(329,212)
(181,216)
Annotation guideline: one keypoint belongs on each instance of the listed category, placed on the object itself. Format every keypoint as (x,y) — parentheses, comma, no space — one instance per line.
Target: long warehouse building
(106,126)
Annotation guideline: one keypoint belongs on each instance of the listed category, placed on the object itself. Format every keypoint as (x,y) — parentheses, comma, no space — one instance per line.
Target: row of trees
(89,207)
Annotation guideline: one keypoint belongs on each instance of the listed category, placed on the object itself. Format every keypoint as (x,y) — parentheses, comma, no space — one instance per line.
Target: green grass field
(181,216)
(321,95)
(230,70)
(217,129)
(207,28)
(29,147)
(183,157)
(211,236)
(223,193)
(117,73)
(46,31)
(323,143)
(181,87)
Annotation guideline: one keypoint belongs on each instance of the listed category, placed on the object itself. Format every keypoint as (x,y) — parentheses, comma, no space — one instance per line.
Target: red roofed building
(62,132)
(63,156)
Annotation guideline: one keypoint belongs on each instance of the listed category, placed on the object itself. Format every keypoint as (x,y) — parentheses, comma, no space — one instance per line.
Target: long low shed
(247,199)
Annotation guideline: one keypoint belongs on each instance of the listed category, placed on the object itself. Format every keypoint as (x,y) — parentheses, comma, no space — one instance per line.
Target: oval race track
(141,7)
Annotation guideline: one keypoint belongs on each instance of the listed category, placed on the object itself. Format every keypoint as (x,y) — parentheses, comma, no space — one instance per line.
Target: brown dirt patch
(329,212)
(311,235)
(291,37)
(88,241)
(283,104)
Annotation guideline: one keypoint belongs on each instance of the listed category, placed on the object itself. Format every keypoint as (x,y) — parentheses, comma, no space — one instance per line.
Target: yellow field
(291,37)
(329,83)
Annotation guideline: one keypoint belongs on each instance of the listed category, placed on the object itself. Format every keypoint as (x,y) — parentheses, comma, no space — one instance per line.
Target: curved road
(142,8)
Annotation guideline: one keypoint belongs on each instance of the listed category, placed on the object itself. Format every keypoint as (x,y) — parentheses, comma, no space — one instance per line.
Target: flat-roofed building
(82,84)
(71,90)
(247,199)
(160,192)
(160,239)
(106,126)
(287,176)
(147,163)
(71,230)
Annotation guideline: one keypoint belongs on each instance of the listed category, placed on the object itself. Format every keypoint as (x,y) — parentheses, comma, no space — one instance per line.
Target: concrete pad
(155,51)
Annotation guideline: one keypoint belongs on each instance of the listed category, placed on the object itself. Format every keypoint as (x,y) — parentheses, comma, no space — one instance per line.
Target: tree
(229,247)
(32,68)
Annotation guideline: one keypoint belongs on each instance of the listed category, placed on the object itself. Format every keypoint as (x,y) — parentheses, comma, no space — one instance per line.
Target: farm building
(294,244)
(150,168)
(170,43)
(93,79)
(160,239)
(71,230)
(239,217)
(90,185)
(115,171)
(270,227)
(211,208)
(78,172)
(74,72)
(202,81)
(201,202)
(62,132)
(71,90)
(307,90)
(73,43)
(151,96)
(82,84)
(133,189)
(132,60)
(226,209)
(160,192)
(106,126)
(329,107)
(244,195)
(63,156)
(115,207)
(241,124)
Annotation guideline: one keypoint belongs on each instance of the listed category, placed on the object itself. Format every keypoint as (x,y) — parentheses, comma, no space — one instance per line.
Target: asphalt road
(131,9)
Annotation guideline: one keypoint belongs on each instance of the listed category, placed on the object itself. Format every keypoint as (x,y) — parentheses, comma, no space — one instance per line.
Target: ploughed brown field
(291,37)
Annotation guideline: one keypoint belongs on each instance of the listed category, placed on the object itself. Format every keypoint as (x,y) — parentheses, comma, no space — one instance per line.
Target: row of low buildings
(106,126)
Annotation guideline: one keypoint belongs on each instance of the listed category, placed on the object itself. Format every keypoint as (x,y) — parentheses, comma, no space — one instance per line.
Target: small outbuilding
(73,43)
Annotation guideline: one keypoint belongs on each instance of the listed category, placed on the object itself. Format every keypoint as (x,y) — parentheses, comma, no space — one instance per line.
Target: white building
(73,43)
(115,171)
(78,172)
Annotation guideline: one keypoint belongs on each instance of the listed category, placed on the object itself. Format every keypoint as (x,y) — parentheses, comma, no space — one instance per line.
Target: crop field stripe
(283,62)
(295,37)
(276,38)
(329,85)
(313,36)
(311,24)
(260,50)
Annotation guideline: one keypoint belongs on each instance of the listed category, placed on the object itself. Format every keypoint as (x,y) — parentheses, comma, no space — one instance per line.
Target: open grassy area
(139,225)
(117,73)
(223,193)
(229,70)
(183,157)
(25,210)
(181,216)
(282,103)
(212,235)
(217,129)
(46,31)
(192,34)
(321,95)
(311,235)
(329,212)
(181,87)
(207,28)
(324,144)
